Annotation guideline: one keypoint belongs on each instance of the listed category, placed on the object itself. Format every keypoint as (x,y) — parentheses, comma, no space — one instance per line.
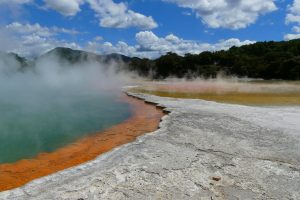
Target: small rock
(216,178)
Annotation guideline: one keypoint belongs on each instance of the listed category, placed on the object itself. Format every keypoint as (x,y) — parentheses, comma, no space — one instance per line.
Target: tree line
(266,60)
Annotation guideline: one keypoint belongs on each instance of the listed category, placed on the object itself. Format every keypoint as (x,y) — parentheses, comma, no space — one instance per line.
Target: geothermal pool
(30,125)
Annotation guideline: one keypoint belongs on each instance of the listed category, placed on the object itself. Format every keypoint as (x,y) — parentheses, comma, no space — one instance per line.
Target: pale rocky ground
(255,151)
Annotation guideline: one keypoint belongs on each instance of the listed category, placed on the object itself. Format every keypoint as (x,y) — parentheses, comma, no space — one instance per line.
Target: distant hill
(76,56)
(14,59)
(64,55)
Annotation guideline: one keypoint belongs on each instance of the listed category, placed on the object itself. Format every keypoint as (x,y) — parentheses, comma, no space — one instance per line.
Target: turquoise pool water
(48,120)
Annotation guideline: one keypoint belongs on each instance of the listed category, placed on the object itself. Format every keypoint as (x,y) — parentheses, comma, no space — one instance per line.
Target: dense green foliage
(267,60)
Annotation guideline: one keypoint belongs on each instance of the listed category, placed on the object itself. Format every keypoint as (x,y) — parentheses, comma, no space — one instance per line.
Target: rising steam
(53,103)
(50,76)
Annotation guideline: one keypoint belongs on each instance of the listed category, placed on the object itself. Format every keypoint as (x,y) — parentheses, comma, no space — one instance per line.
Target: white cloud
(296,29)
(65,7)
(293,17)
(232,14)
(108,48)
(291,36)
(37,29)
(13,9)
(148,42)
(151,46)
(8,2)
(117,15)
(98,38)
(32,39)
(110,14)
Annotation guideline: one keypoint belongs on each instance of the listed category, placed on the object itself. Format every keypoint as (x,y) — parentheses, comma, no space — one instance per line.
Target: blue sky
(144,28)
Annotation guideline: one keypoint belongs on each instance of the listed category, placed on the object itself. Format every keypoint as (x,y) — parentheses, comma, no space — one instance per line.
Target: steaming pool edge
(145,118)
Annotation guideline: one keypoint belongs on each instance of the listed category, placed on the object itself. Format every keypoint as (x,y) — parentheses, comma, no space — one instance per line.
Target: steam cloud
(48,105)
(51,74)
(51,78)
(224,85)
